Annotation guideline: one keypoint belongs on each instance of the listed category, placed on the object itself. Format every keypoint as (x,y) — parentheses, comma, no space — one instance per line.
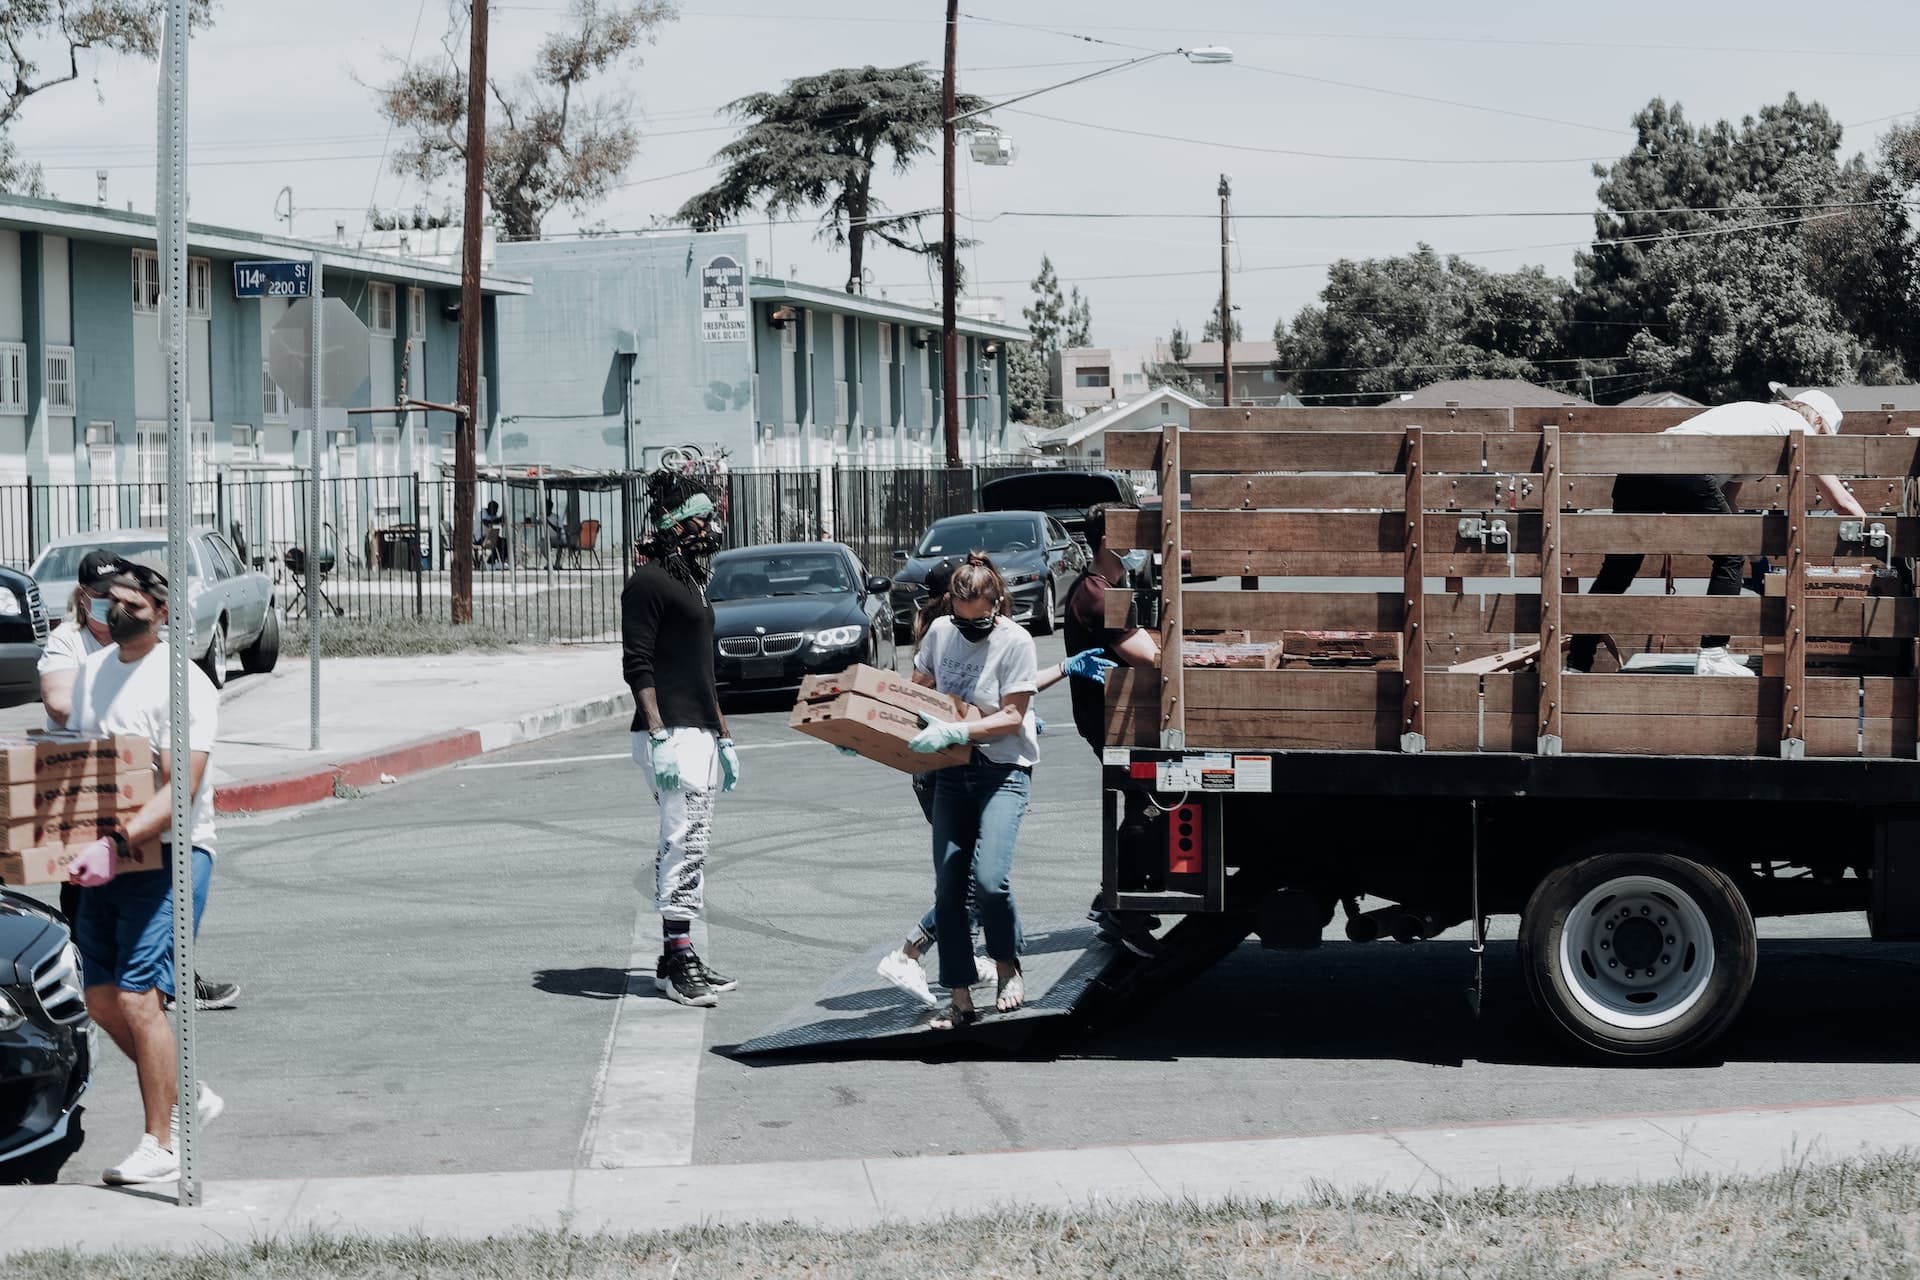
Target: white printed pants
(686,821)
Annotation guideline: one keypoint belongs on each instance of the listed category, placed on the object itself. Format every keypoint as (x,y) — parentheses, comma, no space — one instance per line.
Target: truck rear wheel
(1639,955)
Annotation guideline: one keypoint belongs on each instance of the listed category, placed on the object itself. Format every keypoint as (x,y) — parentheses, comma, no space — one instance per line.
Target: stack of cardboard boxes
(876,713)
(60,792)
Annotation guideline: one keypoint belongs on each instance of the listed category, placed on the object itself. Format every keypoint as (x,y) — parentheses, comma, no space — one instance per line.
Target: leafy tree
(40,46)
(1047,318)
(1214,328)
(549,142)
(1388,325)
(1028,381)
(1177,344)
(816,143)
(1079,331)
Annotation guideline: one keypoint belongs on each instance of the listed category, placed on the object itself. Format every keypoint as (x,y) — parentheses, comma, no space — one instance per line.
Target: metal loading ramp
(859,1011)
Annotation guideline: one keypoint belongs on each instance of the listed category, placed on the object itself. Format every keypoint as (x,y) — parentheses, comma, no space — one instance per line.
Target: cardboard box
(48,864)
(889,687)
(876,730)
(17,835)
(1257,656)
(75,796)
(1379,650)
(44,757)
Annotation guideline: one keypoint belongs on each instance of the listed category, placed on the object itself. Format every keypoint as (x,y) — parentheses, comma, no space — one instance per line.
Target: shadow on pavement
(595,983)
(42,1168)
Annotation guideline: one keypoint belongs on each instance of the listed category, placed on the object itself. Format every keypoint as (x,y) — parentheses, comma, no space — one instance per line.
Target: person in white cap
(1712,495)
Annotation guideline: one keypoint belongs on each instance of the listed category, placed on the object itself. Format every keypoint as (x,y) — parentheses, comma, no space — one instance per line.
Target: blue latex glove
(938,736)
(729,764)
(666,763)
(1039,726)
(1089,665)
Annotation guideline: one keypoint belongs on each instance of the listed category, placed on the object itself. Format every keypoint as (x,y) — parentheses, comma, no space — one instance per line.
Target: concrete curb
(310,785)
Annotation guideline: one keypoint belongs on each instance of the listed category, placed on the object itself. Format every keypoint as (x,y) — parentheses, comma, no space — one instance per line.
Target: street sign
(344,364)
(272,280)
(723,300)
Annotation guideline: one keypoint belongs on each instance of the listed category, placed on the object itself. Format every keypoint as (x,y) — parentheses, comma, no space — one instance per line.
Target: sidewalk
(856,1193)
(392,716)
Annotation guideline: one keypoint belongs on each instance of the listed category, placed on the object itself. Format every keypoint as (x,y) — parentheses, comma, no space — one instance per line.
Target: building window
(1090,375)
(1271,376)
(199,288)
(243,444)
(60,381)
(380,310)
(146,280)
(13,377)
(417,314)
(386,469)
(273,401)
(1133,379)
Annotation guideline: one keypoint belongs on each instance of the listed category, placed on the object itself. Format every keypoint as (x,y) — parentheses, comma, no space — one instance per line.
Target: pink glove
(93,866)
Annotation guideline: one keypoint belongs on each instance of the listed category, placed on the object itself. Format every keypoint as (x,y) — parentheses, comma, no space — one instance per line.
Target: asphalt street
(432,972)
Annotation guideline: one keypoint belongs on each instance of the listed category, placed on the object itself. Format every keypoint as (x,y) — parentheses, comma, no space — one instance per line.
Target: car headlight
(11,605)
(10,1015)
(1022,579)
(838,637)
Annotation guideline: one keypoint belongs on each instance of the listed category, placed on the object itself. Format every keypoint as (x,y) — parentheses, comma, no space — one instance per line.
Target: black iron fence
(551,555)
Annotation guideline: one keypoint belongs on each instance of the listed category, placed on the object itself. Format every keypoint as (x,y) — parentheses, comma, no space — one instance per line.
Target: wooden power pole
(467,396)
(949,321)
(1226,296)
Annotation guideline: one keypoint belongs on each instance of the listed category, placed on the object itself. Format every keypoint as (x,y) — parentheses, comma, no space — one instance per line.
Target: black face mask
(123,626)
(974,629)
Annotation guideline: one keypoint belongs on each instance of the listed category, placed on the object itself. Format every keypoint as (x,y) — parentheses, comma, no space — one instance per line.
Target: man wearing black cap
(124,926)
(79,636)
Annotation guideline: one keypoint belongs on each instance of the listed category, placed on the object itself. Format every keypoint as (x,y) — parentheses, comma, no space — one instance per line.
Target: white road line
(627,755)
(643,1104)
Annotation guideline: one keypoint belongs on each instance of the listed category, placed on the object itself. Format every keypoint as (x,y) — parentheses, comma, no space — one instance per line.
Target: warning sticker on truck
(1218,773)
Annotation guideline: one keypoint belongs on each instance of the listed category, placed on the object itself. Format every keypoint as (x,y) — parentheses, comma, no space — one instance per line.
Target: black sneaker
(680,977)
(211,995)
(716,981)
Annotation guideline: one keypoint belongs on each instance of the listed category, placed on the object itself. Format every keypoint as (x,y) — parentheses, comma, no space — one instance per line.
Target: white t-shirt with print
(67,647)
(111,696)
(1742,418)
(986,674)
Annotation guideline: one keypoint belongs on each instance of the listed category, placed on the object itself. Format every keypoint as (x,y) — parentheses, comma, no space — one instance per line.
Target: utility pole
(1226,296)
(467,395)
(949,323)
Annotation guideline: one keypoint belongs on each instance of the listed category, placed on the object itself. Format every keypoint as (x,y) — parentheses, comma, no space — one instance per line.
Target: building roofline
(1074,432)
(774,289)
(62,217)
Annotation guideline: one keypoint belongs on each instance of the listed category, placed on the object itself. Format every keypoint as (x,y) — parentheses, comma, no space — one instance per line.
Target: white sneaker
(1718,662)
(986,969)
(206,1109)
(150,1162)
(905,973)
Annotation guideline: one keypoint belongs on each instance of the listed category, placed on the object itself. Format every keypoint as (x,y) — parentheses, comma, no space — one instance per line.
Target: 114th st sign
(272,279)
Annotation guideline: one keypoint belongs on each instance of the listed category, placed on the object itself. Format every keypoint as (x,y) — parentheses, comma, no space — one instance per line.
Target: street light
(1211,54)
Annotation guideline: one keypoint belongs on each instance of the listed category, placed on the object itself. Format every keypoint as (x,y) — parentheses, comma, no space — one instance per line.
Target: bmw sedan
(46,1045)
(1031,549)
(784,612)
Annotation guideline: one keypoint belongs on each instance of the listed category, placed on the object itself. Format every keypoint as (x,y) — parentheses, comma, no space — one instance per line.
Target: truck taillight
(1183,840)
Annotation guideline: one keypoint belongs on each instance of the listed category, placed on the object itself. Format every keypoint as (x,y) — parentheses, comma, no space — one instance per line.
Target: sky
(1346,129)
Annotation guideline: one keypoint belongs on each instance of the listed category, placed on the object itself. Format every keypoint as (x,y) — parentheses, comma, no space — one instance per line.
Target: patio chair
(586,538)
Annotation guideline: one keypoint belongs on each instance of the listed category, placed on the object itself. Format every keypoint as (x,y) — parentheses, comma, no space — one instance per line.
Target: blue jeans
(976,821)
(125,927)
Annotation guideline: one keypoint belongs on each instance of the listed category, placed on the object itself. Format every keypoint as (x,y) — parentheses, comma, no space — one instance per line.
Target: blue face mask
(97,609)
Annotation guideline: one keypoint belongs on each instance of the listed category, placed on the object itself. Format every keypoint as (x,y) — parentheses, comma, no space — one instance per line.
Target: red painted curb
(305,788)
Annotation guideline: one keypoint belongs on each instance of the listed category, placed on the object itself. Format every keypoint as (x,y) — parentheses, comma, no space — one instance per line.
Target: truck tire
(1638,955)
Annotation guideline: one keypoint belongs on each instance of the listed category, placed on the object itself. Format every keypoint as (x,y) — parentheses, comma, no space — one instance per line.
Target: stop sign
(344,362)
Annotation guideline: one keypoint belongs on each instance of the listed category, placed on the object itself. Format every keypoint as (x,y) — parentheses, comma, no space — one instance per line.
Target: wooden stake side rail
(1412,503)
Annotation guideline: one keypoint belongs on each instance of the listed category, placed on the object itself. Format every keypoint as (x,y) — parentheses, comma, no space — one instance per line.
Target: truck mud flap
(859,1013)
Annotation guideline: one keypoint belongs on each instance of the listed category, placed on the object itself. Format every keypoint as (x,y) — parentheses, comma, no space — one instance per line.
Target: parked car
(1032,550)
(46,1045)
(1066,495)
(785,611)
(232,605)
(23,634)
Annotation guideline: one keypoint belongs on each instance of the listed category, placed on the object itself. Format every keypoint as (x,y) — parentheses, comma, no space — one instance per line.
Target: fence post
(220,523)
(33,526)
(419,531)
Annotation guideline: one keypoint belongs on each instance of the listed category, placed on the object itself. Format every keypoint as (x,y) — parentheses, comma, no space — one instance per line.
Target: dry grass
(1859,1220)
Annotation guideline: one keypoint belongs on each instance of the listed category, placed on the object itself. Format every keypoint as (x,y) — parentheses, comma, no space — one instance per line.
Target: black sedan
(1031,549)
(783,612)
(46,1049)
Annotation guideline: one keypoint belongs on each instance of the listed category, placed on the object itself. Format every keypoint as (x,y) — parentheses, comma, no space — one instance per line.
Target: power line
(386,142)
(1492,213)
(1421,97)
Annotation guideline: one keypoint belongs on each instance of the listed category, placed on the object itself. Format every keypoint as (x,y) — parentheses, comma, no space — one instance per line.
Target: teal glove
(938,736)
(666,763)
(729,764)
(849,752)
(1089,665)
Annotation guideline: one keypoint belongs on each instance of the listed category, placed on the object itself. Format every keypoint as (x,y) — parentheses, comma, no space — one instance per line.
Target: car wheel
(1043,616)
(215,663)
(261,656)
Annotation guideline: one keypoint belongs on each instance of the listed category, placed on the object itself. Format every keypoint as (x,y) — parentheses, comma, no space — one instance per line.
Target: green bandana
(698,507)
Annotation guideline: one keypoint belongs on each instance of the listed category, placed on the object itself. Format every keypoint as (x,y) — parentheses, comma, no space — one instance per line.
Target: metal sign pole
(314,597)
(170,230)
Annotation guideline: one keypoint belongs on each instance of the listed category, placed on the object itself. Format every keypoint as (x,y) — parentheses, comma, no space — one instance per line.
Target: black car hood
(777,614)
(23,926)
(915,571)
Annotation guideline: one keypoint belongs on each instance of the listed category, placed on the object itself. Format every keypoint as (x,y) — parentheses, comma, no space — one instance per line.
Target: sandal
(1011,994)
(949,1017)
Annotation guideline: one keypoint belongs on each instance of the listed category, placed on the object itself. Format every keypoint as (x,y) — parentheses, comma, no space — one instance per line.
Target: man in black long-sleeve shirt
(679,734)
